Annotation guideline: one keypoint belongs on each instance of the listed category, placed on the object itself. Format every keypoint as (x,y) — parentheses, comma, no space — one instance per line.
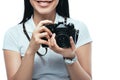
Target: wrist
(69,55)
(30,52)
(69,60)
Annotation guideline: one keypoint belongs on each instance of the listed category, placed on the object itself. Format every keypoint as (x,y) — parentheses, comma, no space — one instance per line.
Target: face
(44,6)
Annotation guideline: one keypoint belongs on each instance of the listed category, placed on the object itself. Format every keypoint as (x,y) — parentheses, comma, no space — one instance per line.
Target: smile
(44,3)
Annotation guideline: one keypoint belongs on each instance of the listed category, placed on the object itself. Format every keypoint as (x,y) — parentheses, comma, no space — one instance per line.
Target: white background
(103,20)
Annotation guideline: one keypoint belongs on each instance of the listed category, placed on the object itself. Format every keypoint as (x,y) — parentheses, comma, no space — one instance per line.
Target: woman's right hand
(37,35)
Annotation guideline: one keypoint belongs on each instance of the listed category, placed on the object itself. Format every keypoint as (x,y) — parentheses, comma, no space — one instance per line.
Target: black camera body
(63,33)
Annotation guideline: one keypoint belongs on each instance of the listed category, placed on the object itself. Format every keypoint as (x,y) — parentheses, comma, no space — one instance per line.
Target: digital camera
(63,33)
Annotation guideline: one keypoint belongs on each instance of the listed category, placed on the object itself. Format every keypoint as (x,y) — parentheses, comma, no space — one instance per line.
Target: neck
(39,17)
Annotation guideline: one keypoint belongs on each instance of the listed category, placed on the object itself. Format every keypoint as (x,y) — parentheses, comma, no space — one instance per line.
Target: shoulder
(14,30)
(13,33)
(84,35)
(11,38)
(77,23)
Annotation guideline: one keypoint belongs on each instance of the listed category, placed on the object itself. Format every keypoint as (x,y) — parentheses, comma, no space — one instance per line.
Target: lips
(44,3)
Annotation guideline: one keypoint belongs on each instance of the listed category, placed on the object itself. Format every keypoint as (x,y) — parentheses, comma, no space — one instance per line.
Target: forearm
(77,72)
(26,68)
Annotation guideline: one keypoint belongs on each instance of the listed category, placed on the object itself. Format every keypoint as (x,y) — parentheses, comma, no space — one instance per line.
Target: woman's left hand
(66,52)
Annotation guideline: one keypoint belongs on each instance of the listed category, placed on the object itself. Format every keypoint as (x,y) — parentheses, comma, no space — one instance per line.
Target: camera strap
(25,32)
(65,20)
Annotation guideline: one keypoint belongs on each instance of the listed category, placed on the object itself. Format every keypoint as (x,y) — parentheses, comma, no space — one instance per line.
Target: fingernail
(51,35)
(54,34)
(70,37)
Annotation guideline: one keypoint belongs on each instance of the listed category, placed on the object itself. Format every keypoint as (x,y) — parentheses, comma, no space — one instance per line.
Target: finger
(44,34)
(41,28)
(72,43)
(45,29)
(41,23)
(53,45)
(42,41)
(53,41)
(49,43)
(57,44)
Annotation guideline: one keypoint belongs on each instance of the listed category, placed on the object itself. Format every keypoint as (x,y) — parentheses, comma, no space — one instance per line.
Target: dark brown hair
(62,9)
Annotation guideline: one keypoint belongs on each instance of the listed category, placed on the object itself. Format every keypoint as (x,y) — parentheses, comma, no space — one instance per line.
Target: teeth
(44,1)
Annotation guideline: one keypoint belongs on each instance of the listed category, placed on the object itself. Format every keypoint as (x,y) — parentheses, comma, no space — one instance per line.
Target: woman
(22,61)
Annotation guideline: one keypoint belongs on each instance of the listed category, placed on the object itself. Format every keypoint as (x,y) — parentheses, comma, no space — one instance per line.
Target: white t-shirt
(48,67)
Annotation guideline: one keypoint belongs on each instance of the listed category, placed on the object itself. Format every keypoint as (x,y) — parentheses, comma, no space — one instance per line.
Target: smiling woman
(23,41)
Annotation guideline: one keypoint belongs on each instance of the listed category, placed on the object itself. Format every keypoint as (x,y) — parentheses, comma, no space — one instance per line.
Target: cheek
(32,3)
(56,2)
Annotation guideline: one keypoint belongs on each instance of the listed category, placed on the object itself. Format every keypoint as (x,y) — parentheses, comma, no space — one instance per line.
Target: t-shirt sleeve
(84,36)
(10,41)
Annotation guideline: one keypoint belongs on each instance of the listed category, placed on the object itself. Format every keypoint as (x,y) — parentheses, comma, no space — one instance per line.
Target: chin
(46,11)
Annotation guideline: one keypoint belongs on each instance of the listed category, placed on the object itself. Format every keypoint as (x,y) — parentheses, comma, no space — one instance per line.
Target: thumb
(72,43)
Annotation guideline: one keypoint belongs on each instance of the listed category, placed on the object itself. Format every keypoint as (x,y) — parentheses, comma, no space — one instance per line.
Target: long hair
(62,9)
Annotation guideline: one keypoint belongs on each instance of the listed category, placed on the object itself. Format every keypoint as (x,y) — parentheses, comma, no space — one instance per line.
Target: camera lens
(63,41)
